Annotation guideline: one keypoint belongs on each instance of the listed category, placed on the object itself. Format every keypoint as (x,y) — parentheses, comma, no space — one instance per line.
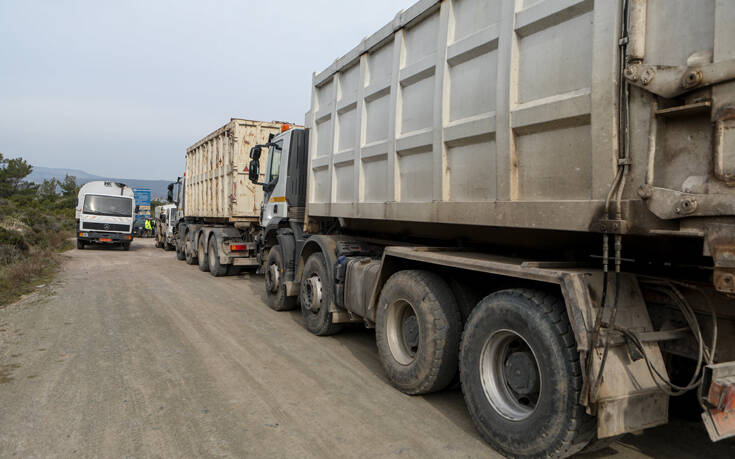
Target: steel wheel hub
(313,293)
(510,377)
(272,278)
(403,332)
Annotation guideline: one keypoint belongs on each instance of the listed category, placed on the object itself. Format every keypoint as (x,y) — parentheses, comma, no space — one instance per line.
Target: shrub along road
(137,354)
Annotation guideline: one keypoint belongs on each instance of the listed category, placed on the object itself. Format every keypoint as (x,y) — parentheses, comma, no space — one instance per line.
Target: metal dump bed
(508,113)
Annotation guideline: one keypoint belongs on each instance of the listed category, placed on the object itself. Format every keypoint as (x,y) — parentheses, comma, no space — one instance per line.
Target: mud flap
(628,398)
(719,398)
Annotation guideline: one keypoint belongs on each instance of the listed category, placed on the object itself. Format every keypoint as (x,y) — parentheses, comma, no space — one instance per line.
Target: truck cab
(105,213)
(284,186)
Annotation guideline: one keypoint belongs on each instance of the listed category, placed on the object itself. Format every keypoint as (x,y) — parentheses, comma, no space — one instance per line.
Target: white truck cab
(285,184)
(105,213)
(165,217)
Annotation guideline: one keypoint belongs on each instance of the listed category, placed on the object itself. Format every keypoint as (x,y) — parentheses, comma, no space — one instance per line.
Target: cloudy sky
(122,88)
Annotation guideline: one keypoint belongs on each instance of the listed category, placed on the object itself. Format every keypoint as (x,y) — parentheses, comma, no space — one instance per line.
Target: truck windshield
(274,167)
(108,205)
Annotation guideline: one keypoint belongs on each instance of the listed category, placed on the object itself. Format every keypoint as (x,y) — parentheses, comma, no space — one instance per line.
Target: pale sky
(122,88)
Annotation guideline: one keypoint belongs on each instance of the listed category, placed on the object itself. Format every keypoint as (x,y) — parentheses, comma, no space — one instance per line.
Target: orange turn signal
(285,127)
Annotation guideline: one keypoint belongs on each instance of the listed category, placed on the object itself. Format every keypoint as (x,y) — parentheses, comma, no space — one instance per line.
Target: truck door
(274,190)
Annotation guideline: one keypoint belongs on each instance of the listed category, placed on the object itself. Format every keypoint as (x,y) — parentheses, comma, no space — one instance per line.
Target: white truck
(105,212)
(165,218)
(534,197)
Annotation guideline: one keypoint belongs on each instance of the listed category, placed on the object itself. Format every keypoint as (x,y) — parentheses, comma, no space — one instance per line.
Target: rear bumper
(102,237)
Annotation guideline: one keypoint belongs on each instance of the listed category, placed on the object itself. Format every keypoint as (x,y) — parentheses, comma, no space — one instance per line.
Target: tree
(69,186)
(47,190)
(12,173)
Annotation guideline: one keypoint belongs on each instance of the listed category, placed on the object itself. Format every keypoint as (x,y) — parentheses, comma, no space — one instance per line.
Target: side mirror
(254,170)
(255,153)
(137,209)
(170,196)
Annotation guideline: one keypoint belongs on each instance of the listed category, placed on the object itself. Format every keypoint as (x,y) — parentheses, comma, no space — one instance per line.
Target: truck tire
(316,296)
(126,246)
(275,288)
(520,407)
(215,268)
(417,331)
(180,255)
(189,256)
(168,247)
(202,256)
(80,244)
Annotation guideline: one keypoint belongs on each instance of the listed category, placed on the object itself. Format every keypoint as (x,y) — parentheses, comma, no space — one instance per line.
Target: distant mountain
(159,188)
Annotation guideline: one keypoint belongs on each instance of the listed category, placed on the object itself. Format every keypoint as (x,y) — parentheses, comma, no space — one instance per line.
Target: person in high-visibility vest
(148,227)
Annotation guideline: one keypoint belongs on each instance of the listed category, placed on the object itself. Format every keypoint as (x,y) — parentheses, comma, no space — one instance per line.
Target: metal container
(510,113)
(217,185)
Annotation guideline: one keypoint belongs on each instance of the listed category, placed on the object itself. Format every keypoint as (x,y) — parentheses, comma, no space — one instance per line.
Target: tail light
(238,247)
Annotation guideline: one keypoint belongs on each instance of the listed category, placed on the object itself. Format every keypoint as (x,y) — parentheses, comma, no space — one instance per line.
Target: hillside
(159,188)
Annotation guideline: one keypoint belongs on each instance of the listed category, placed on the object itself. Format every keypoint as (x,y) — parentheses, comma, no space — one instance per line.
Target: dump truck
(534,198)
(218,207)
(105,212)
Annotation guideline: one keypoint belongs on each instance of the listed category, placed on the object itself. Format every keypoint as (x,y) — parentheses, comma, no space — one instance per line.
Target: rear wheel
(168,247)
(80,244)
(202,256)
(180,255)
(316,297)
(215,268)
(417,332)
(189,256)
(275,287)
(521,376)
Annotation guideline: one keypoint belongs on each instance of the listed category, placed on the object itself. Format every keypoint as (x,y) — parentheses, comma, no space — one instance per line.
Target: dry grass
(30,243)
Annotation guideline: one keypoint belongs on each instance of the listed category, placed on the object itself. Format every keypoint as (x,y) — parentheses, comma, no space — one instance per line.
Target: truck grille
(106,226)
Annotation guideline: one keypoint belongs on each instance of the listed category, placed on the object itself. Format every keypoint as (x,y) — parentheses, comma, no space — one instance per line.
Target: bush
(35,224)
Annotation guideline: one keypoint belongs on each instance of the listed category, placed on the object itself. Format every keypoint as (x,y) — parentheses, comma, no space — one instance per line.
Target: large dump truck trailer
(535,197)
(218,207)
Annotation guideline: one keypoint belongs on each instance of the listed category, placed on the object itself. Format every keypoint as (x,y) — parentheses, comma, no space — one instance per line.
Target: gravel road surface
(135,354)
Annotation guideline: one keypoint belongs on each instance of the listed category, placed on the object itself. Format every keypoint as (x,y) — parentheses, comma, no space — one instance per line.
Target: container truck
(536,198)
(219,208)
(105,212)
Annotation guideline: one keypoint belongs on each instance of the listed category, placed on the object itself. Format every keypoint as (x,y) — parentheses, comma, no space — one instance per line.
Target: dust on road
(137,354)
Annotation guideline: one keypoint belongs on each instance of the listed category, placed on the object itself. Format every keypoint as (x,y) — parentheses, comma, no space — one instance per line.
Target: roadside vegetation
(36,224)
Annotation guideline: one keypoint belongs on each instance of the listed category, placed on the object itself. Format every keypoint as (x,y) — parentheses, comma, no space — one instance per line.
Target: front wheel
(80,244)
(275,288)
(126,246)
(521,376)
(315,297)
(417,331)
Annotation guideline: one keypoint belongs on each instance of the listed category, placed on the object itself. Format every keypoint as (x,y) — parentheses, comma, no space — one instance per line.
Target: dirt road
(136,354)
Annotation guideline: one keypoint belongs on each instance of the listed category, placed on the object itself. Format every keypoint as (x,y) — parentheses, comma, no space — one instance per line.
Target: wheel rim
(313,293)
(272,277)
(510,376)
(403,332)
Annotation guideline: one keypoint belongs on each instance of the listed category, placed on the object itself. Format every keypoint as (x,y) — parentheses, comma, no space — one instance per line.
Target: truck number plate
(105,239)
